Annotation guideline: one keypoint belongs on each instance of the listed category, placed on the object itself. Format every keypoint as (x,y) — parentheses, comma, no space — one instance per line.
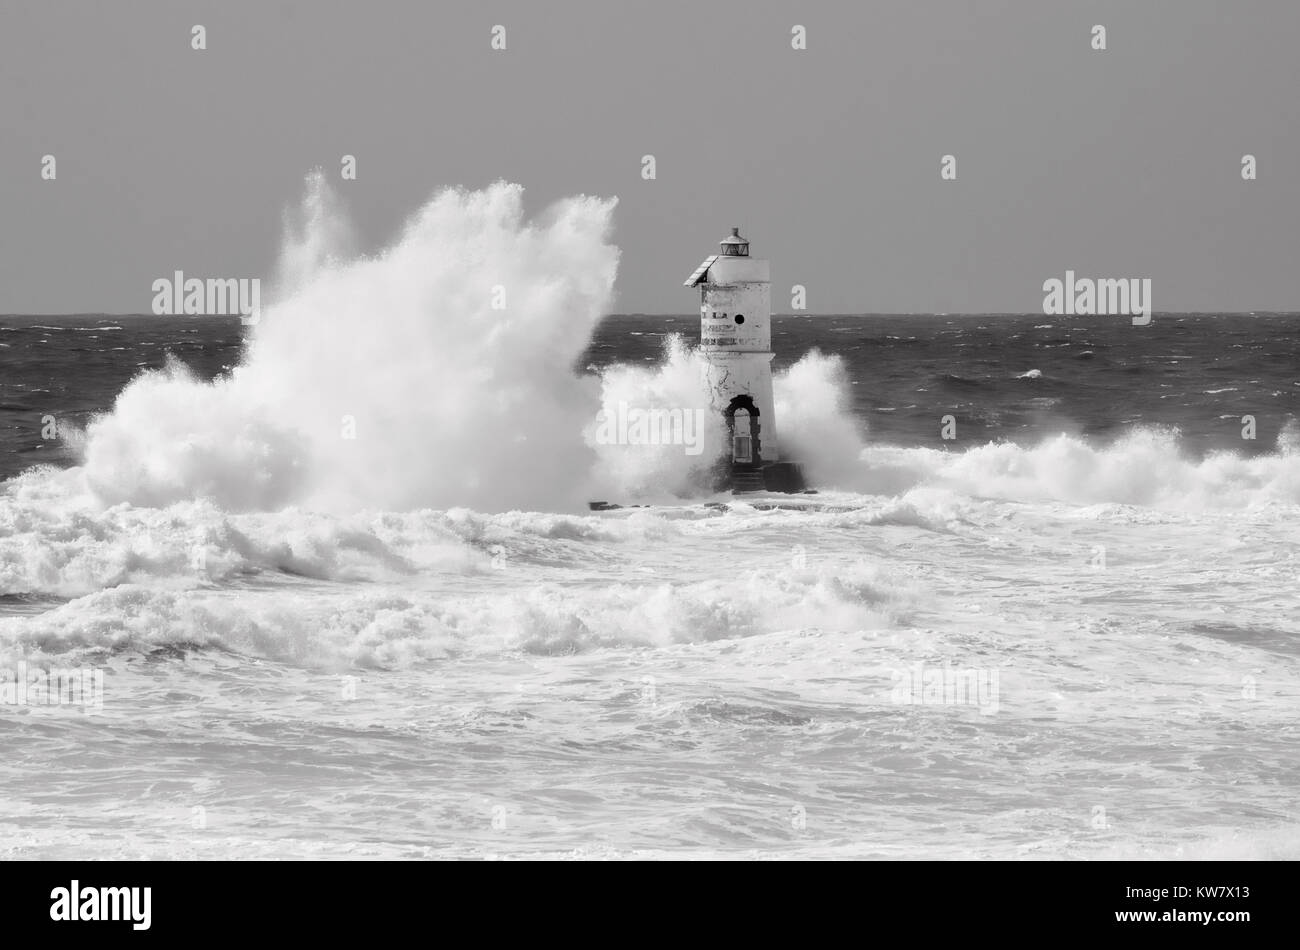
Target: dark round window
(740,318)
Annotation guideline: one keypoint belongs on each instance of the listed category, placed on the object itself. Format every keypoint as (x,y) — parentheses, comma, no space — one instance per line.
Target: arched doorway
(743,429)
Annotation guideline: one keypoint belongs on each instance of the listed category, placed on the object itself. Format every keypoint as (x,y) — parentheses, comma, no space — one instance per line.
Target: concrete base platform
(782,477)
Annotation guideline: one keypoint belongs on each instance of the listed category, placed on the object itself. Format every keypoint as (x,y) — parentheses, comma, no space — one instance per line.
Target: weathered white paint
(738,356)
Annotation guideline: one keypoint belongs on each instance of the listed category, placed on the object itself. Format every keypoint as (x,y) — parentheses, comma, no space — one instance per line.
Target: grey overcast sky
(1122,163)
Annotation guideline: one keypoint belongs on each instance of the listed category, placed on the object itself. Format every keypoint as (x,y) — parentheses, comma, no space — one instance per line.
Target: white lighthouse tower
(736,343)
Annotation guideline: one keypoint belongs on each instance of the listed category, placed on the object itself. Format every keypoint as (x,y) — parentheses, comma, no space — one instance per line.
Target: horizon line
(675,314)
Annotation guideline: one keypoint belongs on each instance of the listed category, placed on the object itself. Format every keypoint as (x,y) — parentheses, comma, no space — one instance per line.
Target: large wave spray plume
(437,373)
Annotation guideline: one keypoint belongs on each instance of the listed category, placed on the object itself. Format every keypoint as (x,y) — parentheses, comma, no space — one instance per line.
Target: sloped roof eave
(701,272)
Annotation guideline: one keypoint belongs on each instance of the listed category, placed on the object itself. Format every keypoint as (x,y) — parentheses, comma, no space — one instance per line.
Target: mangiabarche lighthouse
(736,347)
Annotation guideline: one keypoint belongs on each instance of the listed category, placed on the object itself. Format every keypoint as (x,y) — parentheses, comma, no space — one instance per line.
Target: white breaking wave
(1144,467)
(350,626)
(436,373)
